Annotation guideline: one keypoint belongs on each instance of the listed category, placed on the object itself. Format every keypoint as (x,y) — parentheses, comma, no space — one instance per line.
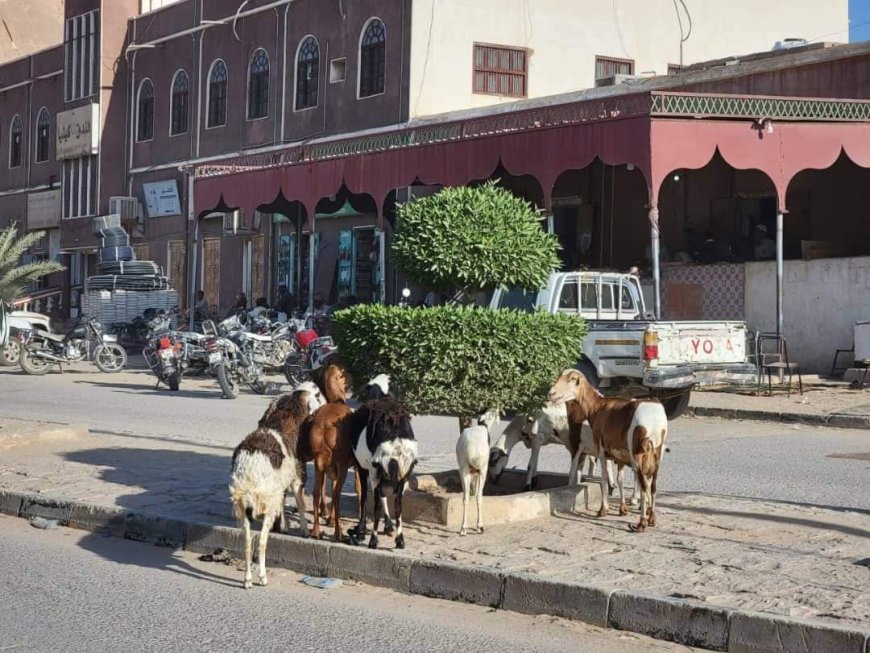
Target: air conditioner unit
(615,80)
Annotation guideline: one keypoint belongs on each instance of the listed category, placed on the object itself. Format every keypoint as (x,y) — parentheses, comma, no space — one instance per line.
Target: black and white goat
(385,451)
(265,465)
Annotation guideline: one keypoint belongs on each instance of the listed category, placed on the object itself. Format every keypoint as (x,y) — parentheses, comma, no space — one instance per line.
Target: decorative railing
(660,104)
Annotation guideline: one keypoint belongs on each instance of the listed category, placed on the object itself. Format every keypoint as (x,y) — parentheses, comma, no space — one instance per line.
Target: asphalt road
(65,590)
(789,463)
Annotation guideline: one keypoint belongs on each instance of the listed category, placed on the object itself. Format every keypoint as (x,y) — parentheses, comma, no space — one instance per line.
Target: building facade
(144,95)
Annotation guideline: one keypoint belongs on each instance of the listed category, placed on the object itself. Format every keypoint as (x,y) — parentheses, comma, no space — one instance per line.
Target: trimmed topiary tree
(472,239)
(463,360)
(459,360)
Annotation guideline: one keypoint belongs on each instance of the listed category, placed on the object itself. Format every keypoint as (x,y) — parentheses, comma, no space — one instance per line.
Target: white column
(312,249)
(779,215)
(654,254)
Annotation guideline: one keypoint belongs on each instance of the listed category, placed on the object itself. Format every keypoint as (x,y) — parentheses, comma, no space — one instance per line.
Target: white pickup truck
(626,351)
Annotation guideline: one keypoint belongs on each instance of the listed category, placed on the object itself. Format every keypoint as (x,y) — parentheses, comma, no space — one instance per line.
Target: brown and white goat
(627,431)
(265,466)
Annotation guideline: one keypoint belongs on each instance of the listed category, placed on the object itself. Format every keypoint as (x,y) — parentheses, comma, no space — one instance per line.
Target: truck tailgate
(701,343)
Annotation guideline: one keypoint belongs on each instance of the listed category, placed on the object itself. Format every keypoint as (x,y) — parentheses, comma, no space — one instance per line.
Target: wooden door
(176,269)
(258,270)
(211,272)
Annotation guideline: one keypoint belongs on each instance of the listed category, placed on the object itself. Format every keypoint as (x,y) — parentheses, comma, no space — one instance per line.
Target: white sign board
(43,210)
(78,132)
(161,198)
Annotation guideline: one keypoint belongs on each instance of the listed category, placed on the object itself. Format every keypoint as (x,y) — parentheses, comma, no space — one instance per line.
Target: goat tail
(247,504)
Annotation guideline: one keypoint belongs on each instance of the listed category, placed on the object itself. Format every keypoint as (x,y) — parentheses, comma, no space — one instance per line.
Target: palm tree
(15,277)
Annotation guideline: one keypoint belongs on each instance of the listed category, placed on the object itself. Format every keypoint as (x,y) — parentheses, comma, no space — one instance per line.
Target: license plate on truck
(708,348)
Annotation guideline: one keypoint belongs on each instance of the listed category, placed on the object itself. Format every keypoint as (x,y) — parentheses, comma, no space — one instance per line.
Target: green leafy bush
(459,360)
(472,239)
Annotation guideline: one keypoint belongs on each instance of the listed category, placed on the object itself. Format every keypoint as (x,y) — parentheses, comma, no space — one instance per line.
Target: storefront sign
(43,210)
(161,198)
(78,132)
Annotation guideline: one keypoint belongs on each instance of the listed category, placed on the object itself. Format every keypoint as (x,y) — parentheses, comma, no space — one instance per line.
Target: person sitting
(763,247)
(200,308)
(285,304)
(261,308)
(240,305)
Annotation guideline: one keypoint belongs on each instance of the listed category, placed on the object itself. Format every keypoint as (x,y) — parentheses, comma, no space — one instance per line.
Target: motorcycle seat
(50,336)
(257,336)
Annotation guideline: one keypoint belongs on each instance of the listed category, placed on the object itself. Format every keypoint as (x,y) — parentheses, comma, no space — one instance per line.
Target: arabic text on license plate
(214,358)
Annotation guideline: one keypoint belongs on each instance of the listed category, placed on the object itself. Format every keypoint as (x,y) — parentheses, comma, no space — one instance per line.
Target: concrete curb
(834,420)
(678,620)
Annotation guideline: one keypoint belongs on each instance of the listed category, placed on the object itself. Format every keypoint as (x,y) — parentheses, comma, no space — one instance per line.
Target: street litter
(322,583)
(42,522)
(218,555)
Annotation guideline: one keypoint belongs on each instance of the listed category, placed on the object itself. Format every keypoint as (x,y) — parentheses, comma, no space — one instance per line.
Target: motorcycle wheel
(33,364)
(10,354)
(110,358)
(173,381)
(229,388)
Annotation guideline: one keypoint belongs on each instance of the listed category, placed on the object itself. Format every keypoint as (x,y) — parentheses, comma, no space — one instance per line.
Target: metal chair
(781,363)
(837,353)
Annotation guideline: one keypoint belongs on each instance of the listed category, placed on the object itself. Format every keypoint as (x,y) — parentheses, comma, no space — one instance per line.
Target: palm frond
(10,255)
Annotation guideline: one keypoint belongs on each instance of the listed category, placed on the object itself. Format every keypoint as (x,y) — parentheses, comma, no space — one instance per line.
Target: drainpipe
(779,266)
(311,251)
(654,254)
(191,215)
(284,77)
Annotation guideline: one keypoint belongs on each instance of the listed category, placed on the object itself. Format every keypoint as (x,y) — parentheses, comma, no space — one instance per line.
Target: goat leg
(465,478)
(400,536)
(356,533)
(532,475)
(620,481)
(264,539)
(248,553)
(644,494)
(299,491)
(373,542)
(319,483)
(605,481)
(388,523)
(652,501)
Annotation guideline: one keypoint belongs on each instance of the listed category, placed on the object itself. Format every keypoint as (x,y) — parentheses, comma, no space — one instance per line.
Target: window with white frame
(79,187)
(81,55)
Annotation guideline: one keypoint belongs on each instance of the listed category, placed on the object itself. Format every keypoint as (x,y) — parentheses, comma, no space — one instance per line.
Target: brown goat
(334,383)
(325,439)
(627,431)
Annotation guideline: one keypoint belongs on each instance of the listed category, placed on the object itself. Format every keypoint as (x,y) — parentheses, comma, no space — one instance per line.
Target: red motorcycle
(309,352)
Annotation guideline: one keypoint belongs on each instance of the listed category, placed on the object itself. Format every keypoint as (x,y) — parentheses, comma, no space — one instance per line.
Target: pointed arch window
(258,86)
(372,58)
(43,135)
(16,137)
(145,111)
(307,73)
(180,100)
(217,95)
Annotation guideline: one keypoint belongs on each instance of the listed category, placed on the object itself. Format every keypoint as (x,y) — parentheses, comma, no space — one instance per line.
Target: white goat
(472,454)
(265,466)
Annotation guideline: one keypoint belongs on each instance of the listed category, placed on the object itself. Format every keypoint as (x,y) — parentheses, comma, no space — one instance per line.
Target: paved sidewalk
(823,402)
(795,560)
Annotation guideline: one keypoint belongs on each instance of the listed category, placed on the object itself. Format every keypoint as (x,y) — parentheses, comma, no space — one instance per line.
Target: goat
(472,454)
(334,383)
(385,451)
(550,425)
(325,439)
(628,431)
(265,466)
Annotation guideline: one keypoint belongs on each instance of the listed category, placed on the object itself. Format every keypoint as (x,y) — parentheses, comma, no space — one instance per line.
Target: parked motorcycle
(40,349)
(231,354)
(274,341)
(309,352)
(164,352)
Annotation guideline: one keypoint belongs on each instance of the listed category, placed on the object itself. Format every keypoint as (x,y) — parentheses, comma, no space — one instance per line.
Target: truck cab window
(589,295)
(626,301)
(568,297)
(607,297)
(518,299)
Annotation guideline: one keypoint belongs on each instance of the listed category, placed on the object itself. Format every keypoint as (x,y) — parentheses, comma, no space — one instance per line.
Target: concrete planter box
(437,498)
